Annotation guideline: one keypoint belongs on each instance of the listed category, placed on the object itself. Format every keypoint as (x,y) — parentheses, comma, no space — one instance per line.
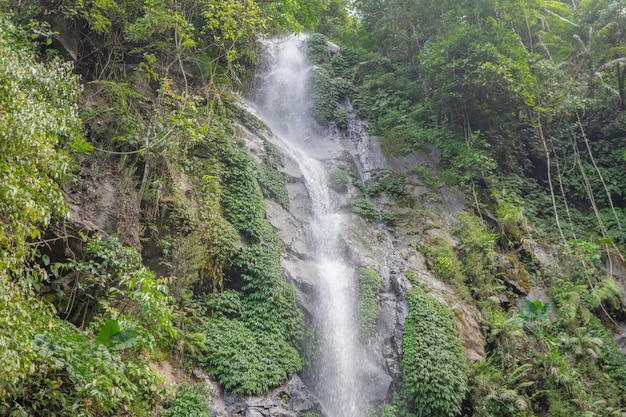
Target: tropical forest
(322,208)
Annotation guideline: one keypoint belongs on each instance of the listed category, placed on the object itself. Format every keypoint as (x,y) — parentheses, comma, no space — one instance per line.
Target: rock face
(390,253)
(288,400)
(101,204)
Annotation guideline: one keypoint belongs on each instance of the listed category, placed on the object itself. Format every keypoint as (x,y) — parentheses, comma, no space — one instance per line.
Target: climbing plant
(369,285)
(434,366)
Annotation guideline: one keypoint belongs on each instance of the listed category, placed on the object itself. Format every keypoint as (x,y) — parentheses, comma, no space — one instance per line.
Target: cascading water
(283,102)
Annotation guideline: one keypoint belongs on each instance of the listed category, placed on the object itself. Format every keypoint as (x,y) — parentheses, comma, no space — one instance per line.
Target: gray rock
(288,400)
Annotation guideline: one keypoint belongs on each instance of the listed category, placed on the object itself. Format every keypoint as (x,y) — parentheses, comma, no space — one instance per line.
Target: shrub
(39,115)
(49,367)
(366,209)
(444,262)
(339,180)
(190,400)
(273,183)
(325,95)
(369,285)
(247,361)
(242,199)
(317,49)
(251,337)
(434,363)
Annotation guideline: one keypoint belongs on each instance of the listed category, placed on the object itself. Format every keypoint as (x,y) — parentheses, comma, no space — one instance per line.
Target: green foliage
(511,217)
(497,393)
(444,262)
(251,337)
(535,311)
(325,95)
(190,400)
(369,285)
(434,365)
(387,182)
(412,277)
(49,367)
(110,274)
(242,199)
(427,176)
(247,361)
(273,184)
(612,360)
(317,49)
(477,253)
(365,208)
(39,117)
(328,82)
(339,180)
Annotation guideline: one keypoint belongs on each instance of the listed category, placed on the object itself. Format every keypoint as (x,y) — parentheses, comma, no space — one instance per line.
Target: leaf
(106,333)
(124,339)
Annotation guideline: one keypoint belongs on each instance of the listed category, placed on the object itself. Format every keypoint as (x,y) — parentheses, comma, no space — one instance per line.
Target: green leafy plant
(433,365)
(339,180)
(48,366)
(190,400)
(364,207)
(535,311)
(39,117)
(369,285)
(251,337)
(272,182)
(444,262)
(113,275)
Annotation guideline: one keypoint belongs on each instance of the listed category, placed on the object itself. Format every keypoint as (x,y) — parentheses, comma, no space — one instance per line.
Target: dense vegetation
(525,101)
(147,102)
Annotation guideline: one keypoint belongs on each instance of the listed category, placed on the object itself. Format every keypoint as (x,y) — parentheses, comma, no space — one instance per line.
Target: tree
(39,121)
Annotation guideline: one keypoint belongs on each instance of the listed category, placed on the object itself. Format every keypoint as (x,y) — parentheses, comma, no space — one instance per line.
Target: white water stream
(283,102)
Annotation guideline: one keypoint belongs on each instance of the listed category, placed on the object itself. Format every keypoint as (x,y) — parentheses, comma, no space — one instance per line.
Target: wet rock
(365,150)
(290,230)
(289,400)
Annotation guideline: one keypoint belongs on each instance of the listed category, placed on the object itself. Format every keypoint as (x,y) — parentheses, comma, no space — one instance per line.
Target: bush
(39,115)
(444,262)
(251,338)
(369,285)
(339,180)
(190,400)
(366,209)
(325,95)
(317,49)
(49,367)
(434,363)
(247,361)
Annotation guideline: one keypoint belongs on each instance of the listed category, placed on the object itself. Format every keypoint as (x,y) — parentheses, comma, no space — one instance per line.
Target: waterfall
(283,102)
